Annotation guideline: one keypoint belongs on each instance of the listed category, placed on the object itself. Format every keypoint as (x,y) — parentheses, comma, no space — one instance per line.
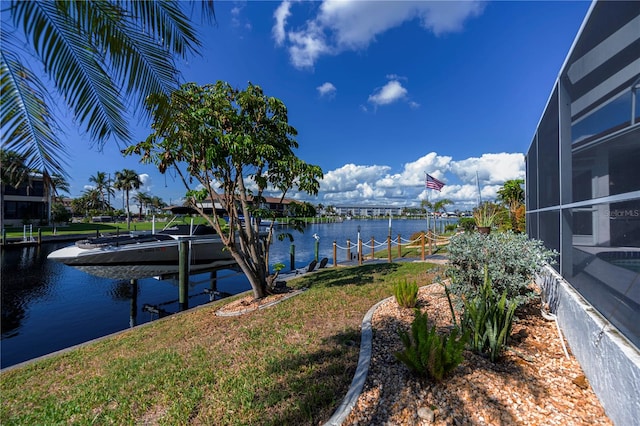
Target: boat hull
(149,259)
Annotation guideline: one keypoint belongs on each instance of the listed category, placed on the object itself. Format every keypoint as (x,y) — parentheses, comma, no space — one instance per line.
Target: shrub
(406,293)
(427,353)
(467,223)
(450,227)
(486,214)
(488,319)
(416,236)
(512,261)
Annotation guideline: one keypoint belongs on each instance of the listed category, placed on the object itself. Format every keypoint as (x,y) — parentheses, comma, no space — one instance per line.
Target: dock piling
(183,274)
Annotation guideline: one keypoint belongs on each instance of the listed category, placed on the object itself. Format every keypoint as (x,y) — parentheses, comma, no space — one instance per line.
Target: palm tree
(53,186)
(14,170)
(100,182)
(512,196)
(91,199)
(157,203)
(100,56)
(439,206)
(436,206)
(59,184)
(143,199)
(127,180)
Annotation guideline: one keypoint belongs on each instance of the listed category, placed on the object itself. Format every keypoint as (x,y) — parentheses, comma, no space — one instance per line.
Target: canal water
(48,306)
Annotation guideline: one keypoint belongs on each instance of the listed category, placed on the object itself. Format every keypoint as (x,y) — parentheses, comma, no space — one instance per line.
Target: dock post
(422,242)
(133,313)
(373,250)
(359,252)
(335,254)
(399,246)
(39,236)
(4,237)
(316,249)
(348,250)
(213,284)
(292,256)
(389,248)
(183,274)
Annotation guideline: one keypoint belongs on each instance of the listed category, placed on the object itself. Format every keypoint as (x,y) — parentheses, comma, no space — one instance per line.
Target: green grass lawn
(91,228)
(291,363)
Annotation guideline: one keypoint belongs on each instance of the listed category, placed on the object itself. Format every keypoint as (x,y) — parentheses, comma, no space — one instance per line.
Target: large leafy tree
(126,181)
(101,57)
(230,146)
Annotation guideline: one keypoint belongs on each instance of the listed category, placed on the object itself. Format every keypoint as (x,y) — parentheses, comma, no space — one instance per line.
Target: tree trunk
(128,214)
(258,281)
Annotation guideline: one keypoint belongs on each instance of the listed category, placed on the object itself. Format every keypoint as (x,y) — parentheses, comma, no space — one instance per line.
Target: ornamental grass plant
(406,293)
(427,353)
(486,214)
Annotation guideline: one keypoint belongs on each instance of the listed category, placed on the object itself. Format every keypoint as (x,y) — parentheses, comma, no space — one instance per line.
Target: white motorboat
(141,255)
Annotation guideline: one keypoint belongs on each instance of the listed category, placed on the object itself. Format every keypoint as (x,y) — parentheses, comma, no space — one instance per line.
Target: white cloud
(327,89)
(307,46)
(491,169)
(281,14)
(378,185)
(349,176)
(353,25)
(147,182)
(389,93)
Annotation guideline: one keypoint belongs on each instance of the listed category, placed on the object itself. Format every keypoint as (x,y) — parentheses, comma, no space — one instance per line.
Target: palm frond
(76,67)
(167,20)
(28,126)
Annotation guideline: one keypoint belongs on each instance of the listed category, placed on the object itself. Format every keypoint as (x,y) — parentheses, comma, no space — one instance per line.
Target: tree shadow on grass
(315,384)
(356,275)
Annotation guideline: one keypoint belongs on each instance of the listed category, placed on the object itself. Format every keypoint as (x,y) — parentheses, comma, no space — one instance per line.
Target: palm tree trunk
(128,214)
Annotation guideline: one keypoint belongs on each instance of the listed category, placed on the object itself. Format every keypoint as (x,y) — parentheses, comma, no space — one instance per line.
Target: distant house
(26,204)
(272,203)
(368,211)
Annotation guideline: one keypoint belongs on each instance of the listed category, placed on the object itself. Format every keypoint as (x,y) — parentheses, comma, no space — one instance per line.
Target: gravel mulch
(533,384)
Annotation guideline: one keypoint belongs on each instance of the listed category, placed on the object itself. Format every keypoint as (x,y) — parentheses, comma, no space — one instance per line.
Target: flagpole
(426,176)
(479,193)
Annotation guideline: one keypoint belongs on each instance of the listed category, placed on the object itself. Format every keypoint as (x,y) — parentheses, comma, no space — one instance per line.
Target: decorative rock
(539,390)
(581,382)
(427,414)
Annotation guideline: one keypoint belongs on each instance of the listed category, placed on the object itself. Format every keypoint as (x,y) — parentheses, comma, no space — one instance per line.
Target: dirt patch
(249,303)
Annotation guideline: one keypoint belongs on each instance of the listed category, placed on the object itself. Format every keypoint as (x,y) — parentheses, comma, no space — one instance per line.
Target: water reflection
(48,306)
(23,283)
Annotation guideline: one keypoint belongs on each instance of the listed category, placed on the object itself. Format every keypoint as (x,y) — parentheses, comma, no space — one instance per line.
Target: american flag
(433,183)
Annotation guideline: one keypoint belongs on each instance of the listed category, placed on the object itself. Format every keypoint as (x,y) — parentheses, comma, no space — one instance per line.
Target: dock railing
(418,248)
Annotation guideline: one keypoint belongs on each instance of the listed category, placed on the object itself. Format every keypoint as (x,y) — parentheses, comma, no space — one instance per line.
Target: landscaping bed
(533,382)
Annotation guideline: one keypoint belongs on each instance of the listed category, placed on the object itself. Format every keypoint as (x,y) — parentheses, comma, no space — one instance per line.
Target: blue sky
(382,92)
